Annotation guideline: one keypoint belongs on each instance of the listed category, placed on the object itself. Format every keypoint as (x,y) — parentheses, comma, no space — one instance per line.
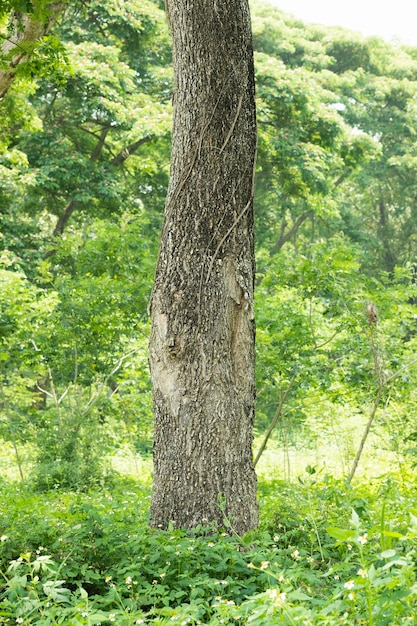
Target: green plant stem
(366,433)
(13,438)
(18,458)
(383,382)
(368,591)
(316,530)
(275,419)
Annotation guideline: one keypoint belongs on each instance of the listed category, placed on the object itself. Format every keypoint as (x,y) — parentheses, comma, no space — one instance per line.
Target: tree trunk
(202,337)
(24,29)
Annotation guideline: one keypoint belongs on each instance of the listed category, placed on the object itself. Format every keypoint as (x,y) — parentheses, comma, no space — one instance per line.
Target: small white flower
(362,573)
(295,555)
(3,538)
(19,620)
(363,539)
(112,617)
(278,598)
(128,580)
(349,584)
(264,564)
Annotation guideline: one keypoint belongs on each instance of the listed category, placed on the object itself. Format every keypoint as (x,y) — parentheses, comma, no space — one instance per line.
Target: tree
(96,144)
(202,337)
(28,23)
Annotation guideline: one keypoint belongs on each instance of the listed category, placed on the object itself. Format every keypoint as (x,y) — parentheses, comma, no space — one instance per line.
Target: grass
(325,553)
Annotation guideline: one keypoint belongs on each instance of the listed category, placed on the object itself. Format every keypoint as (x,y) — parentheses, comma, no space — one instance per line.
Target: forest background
(84,166)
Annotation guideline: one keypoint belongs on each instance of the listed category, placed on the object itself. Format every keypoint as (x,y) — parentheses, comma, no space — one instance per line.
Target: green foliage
(90,558)
(75,375)
(84,155)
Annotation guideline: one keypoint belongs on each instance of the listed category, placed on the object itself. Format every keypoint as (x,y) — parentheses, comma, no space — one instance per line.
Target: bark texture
(25,29)
(202,337)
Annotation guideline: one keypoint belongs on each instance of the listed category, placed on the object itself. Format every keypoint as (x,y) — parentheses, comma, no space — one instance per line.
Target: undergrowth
(325,553)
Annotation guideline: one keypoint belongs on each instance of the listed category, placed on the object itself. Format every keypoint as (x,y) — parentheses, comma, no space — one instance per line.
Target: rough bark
(25,29)
(202,337)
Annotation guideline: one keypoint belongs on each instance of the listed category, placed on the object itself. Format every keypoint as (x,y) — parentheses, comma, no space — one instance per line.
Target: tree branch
(119,159)
(26,29)
(286,236)
(99,147)
(62,221)
(126,152)
(277,415)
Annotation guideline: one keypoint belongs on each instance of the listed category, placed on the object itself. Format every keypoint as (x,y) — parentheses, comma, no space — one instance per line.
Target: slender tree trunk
(202,338)
(385,237)
(25,29)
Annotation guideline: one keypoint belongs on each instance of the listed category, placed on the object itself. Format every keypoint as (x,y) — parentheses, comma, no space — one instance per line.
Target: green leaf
(341,534)
(387,554)
(355,520)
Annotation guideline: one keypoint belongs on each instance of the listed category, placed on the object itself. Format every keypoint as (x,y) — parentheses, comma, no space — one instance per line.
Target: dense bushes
(90,558)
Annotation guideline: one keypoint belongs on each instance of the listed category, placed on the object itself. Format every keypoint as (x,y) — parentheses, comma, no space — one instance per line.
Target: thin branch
(275,419)
(286,236)
(99,147)
(26,30)
(119,159)
(104,384)
(62,222)
(126,152)
(382,379)
(366,433)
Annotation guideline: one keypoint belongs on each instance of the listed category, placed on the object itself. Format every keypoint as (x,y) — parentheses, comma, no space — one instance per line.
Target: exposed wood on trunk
(202,338)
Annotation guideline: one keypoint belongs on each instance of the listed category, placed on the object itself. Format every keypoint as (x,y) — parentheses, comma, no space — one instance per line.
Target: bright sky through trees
(390,20)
